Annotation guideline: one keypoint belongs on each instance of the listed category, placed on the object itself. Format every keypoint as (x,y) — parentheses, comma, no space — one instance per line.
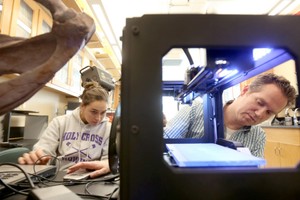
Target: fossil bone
(37,59)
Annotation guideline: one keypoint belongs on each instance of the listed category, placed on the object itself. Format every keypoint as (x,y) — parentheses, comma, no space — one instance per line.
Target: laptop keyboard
(9,177)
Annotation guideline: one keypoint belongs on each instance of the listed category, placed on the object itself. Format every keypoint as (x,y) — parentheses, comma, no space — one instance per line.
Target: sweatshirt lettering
(71,136)
(75,159)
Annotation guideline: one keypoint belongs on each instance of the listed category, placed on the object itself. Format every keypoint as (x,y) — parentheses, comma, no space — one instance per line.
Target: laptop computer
(210,155)
(12,175)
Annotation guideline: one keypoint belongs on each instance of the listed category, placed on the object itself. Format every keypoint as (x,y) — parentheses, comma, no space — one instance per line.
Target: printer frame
(143,170)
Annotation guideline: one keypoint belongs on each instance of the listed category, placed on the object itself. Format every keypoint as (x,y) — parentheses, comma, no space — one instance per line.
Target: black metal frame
(144,173)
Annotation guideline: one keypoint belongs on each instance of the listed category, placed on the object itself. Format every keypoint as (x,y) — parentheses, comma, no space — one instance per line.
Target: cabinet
(24,18)
(44,22)
(7,6)
(282,146)
(68,78)
(61,77)
(27,18)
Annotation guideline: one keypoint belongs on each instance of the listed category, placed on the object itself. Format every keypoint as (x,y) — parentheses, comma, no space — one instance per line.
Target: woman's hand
(101,167)
(34,157)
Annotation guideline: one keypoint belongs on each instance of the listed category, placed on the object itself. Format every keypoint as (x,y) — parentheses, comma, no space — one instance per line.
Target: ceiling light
(290,8)
(102,19)
(117,52)
(179,2)
(279,7)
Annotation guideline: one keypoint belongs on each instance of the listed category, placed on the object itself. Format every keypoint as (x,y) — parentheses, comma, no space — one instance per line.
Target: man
(266,96)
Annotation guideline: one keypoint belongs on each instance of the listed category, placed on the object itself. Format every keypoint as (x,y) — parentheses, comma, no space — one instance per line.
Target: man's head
(281,82)
(266,96)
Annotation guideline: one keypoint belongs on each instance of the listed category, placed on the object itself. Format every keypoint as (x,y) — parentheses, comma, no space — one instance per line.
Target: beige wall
(46,101)
(288,70)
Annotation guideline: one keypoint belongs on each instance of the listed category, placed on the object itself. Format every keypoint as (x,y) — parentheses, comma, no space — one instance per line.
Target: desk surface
(97,187)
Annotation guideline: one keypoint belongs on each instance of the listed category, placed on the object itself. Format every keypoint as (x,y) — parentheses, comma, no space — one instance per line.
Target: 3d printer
(144,174)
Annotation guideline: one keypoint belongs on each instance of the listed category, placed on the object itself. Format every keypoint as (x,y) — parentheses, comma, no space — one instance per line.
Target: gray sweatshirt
(72,141)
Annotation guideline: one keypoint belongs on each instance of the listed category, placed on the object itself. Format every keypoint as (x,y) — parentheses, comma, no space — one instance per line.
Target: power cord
(26,176)
(28,179)
(57,167)
(109,179)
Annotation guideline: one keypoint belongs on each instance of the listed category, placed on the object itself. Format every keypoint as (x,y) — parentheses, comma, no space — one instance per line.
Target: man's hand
(100,167)
(34,157)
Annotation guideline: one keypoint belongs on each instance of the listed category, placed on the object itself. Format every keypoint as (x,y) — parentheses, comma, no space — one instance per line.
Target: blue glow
(226,72)
(260,52)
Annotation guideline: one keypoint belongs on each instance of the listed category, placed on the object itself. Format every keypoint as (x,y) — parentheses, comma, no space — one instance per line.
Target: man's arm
(188,123)
(177,127)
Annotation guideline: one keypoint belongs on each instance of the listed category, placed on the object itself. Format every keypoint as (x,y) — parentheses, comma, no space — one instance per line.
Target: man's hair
(281,82)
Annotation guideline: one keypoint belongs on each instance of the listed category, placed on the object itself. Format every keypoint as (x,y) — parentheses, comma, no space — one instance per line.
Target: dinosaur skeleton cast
(38,59)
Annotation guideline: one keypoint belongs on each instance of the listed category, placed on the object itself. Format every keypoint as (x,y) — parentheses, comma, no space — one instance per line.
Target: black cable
(113,192)
(57,168)
(87,186)
(61,182)
(104,178)
(26,176)
(188,55)
(92,195)
(64,182)
(106,182)
(41,179)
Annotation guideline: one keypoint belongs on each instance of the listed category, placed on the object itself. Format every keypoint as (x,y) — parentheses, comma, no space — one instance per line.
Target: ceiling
(115,12)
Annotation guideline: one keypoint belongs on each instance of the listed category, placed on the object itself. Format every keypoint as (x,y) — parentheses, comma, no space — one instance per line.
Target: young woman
(79,137)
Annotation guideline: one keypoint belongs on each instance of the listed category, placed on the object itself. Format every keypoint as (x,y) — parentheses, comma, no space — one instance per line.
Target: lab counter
(281,126)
